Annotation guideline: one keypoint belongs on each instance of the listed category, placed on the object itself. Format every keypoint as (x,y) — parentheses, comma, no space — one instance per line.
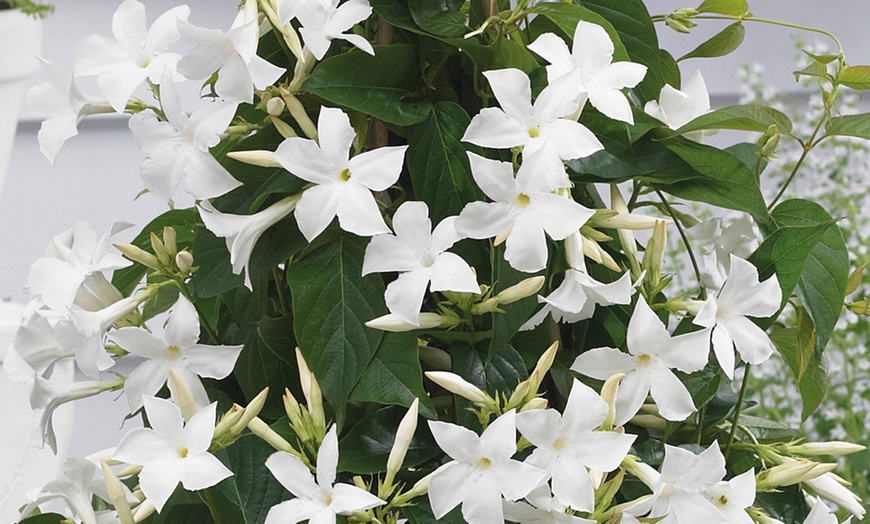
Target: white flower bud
(137,254)
(523,289)
(275,106)
(535,403)
(404,434)
(833,448)
(255,158)
(184,261)
(459,386)
(117,494)
(394,324)
(827,487)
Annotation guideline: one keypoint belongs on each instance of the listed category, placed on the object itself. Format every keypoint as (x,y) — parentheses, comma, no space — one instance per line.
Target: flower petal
(316,209)
(492,127)
(358,212)
(404,296)
(451,273)
(379,168)
(347,499)
(671,396)
(293,475)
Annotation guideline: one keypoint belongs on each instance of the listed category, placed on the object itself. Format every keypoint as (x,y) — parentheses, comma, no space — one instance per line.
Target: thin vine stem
(738,410)
(702,294)
(810,144)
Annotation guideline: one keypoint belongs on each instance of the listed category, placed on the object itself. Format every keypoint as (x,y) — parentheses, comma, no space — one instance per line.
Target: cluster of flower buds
(681,19)
(166,260)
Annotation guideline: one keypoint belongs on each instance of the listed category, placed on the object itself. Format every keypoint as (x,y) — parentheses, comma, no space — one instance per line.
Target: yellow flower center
(643,358)
(173,350)
(523,199)
(534,132)
(559,443)
(345,175)
(183,452)
(722,500)
(484,463)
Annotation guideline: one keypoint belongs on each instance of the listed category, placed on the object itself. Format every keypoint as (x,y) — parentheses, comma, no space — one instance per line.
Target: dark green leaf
(439,17)
(380,85)
(396,13)
(500,54)
(438,163)
(247,496)
(814,382)
(723,180)
(806,341)
(765,429)
(365,448)
(215,274)
(856,77)
(331,304)
(268,360)
(421,513)
(721,44)
(394,376)
(500,373)
(632,21)
(724,7)
(850,125)
(45,518)
(788,504)
(739,118)
(822,284)
(567,16)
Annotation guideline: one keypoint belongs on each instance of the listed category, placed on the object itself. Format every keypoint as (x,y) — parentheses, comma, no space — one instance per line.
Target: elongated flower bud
(137,254)
(834,448)
(182,395)
(523,289)
(117,494)
(545,362)
(394,324)
(608,394)
(404,434)
(255,158)
(459,386)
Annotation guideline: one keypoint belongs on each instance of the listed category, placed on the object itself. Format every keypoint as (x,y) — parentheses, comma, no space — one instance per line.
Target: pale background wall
(96,175)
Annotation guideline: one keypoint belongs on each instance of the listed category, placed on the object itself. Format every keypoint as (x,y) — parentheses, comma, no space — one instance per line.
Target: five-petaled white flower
(534,127)
(679,490)
(177,150)
(324,21)
(243,231)
(567,445)
(64,107)
(343,185)
(726,313)
(172,451)
(652,352)
(178,349)
(319,501)
(481,472)
(420,256)
(732,497)
(676,108)
(600,80)
(232,55)
(123,63)
(524,208)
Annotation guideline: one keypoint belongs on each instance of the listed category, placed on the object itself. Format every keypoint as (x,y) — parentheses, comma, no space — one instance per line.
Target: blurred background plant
(37,9)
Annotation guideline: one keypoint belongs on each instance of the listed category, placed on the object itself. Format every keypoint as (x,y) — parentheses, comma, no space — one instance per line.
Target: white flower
(233,55)
(719,242)
(652,352)
(34,350)
(177,150)
(524,207)
(135,54)
(73,270)
(567,445)
(732,497)
(243,231)
(178,350)
(577,296)
(519,123)
(76,487)
(726,313)
(542,508)
(172,451)
(48,395)
(420,256)
(822,514)
(678,490)
(343,185)
(324,20)
(601,80)
(677,108)
(830,488)
(64,107)
(321,500)
(481,472)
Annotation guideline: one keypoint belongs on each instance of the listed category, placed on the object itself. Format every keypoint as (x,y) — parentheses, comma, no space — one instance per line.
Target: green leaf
(438,164)
(367,445)
(382,85)
(500,54)
(501,372)
(822,59)
(215,274)
(721,44)
(724,7)
(850,125)
(637,32)
(814,382)
(45,518)
(421,513)
(739,118)
(567,16)
(268,360)
(247,496)
(806,341)
(396,13)
(331,304)
(505,324)
(184,221)
(394,376)
(439,17)
(856,77)
(822,284)
(765,429)
(722,179)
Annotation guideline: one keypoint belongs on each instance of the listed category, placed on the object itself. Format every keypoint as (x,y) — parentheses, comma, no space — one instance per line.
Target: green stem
(702,293)
(765,21)
(810,144)
(282,297)
(738,409)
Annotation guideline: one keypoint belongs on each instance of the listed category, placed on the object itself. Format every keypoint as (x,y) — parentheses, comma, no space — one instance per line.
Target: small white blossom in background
(325,20)
(172,451)
(676,108)
(321,500)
